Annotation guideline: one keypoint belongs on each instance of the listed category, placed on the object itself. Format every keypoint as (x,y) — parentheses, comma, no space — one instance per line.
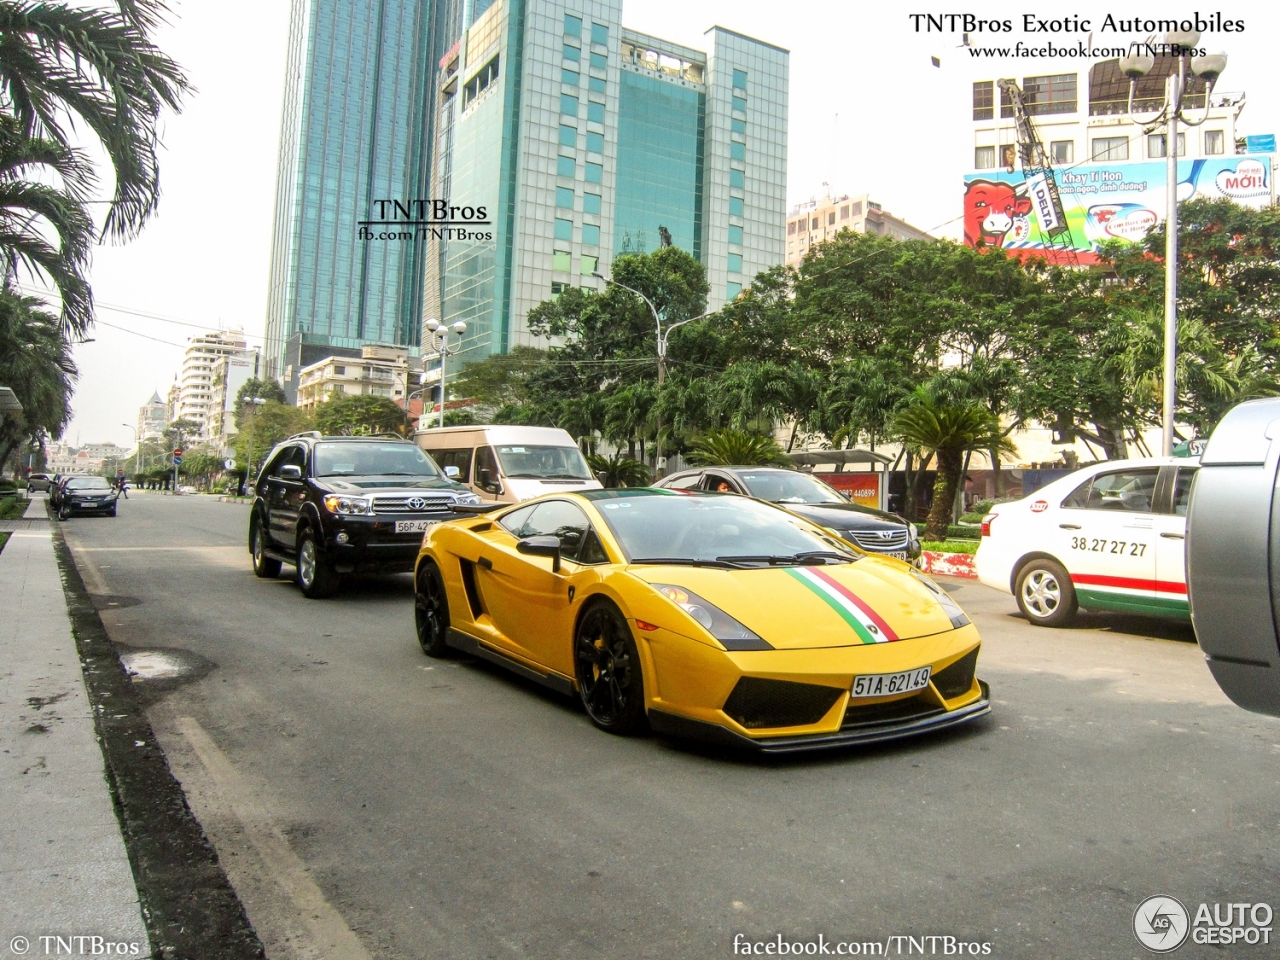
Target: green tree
(65,67)
(949,431)
(362,415)
(737,448)
(256,389)
(501,378)
(619,471)
(35,362)
(272,423)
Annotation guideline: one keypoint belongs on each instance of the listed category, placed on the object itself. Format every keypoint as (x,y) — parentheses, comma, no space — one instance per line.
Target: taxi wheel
(431,611)
(1045,594)
(315,577)
(607,663)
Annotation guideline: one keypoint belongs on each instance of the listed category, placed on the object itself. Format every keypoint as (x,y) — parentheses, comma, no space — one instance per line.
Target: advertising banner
(863,488)
(1101,201)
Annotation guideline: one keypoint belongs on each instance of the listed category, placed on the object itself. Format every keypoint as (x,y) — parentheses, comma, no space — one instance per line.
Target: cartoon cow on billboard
(989,211)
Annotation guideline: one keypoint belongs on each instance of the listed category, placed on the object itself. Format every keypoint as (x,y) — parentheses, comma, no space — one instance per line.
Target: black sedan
(87,495)
(873,530)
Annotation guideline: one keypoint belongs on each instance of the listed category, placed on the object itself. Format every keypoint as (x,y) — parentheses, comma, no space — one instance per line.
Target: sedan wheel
(431,611)
(1045,594)
(610,679)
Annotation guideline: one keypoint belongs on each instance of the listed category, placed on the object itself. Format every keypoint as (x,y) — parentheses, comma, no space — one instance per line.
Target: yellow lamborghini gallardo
(706,615)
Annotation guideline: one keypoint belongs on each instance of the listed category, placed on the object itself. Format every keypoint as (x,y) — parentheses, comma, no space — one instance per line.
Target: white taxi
(1107,537)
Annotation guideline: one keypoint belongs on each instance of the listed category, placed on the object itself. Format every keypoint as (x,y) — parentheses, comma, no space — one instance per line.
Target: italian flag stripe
(866,623)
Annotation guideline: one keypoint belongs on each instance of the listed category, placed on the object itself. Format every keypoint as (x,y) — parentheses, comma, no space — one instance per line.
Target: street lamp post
(437,329)
(1174,108)
(254,404)
(659,461)
(136,448)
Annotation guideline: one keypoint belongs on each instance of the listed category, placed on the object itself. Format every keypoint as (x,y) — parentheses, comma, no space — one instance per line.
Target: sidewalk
(63,864)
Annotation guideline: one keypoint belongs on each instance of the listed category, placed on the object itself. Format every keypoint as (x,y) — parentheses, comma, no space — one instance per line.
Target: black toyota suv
(337,505)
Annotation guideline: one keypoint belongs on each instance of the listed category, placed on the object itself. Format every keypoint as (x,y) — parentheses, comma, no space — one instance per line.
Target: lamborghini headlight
(352,505)
(949,607)
(732,634)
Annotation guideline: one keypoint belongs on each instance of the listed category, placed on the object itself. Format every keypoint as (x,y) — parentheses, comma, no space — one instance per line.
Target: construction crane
(1040,185)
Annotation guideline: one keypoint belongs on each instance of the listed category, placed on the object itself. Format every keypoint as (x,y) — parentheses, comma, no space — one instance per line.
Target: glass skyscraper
(356,128)
(582,139)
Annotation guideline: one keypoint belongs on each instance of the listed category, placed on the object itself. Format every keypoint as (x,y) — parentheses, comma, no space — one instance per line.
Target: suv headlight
(731,634)
(356,505)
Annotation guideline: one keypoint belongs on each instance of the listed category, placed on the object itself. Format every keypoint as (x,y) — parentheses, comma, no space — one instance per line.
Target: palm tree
(30,210)
(737,448)
(63,67)
(35,361)
(619,471)
(949,430)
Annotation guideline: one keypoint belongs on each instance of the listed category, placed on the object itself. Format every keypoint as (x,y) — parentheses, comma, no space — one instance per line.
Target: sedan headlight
(949,607)
(732,634)
(353,505)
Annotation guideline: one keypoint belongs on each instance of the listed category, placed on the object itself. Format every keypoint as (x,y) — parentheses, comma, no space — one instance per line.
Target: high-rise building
(230,373)
(583,140)
(817,220)
(378,372)
(356,130)
(200,366)
(153,417)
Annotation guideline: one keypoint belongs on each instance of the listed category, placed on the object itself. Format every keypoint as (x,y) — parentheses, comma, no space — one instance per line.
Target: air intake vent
(892,712)
(757,703)
(957,679)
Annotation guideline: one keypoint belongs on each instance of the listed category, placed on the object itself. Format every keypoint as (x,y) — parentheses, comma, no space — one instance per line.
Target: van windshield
(525,461)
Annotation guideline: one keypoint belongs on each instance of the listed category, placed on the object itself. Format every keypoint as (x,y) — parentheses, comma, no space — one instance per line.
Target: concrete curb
(949,564)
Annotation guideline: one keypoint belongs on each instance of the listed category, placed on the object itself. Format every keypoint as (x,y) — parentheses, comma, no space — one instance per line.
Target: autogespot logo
(1161,923)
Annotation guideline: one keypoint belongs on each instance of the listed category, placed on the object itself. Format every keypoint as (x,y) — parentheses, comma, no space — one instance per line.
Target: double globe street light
(439,330)
(1208,68)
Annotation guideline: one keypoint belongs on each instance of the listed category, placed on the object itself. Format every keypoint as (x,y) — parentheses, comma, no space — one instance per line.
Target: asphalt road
(368,801)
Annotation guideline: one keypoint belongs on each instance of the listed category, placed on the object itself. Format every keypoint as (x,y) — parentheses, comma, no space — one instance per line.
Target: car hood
(795,608)
(846,516)
(374,485)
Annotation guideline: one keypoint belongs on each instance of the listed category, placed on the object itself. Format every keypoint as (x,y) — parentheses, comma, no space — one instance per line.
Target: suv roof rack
(313,434)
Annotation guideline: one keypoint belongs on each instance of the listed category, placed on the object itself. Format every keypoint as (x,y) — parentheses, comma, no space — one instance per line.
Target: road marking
(326,926)
(222,546)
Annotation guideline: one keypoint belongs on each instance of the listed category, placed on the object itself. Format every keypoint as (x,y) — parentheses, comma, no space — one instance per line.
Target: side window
(487,469)
(516,522)
(686,483)
(290,456)
(1079,498)
(1182,490)
(718,483)
(592,550)
(563,520)
(273,466)
(1127,490)
(454,458)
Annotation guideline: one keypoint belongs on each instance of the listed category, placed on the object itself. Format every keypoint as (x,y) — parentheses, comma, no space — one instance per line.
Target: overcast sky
(869,113)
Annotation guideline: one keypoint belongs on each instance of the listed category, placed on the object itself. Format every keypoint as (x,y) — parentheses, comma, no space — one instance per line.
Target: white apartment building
(818,220)
(199,367)
(231,372)
(381,371)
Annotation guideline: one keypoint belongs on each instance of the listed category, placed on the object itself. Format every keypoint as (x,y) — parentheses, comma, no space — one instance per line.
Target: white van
(509,464)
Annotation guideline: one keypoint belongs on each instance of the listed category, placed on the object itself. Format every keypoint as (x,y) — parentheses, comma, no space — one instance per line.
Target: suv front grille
(756,702)
(871,539)
(403,504)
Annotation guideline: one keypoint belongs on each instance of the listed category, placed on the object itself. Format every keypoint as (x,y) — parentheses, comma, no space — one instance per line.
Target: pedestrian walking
(122,484)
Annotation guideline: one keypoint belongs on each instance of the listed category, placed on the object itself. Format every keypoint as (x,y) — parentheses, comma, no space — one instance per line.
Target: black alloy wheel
(316,577)
(263,566)
(431,611)
(610,679)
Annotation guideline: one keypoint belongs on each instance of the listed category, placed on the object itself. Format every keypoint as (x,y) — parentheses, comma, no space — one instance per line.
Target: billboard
(861,487)
(1101,201)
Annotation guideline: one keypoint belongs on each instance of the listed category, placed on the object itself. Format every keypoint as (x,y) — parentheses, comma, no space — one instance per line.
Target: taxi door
(1170,545)
(1109,539)
(532,606)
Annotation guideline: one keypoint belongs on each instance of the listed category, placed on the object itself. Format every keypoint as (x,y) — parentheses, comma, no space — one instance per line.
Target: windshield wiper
(688,561)
(793,559)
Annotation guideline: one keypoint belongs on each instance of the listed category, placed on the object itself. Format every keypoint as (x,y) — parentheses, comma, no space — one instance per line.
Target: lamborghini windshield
(713,530)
